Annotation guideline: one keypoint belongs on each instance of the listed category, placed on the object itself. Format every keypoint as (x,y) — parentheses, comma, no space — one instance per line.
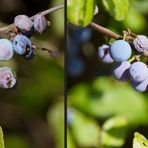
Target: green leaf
(114,131)
(85,130)
(1,139)
(80,12)
(117,8)
(140,141)
(106,97)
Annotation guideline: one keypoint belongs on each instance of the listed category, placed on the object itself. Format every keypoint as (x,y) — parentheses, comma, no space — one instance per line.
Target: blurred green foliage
(112,103)
(82,127)
(114,107)
(106,97)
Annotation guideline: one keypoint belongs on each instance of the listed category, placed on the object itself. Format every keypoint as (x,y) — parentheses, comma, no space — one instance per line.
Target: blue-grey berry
(120,50)
(22,45)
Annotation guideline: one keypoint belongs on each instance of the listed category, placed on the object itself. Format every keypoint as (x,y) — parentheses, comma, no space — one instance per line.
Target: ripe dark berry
(40,23)
(22,45)
(6,49)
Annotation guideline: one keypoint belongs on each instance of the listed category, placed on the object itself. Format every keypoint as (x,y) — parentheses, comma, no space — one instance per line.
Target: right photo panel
(107,74)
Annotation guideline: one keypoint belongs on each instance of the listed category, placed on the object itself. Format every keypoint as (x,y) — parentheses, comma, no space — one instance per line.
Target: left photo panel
(32,52)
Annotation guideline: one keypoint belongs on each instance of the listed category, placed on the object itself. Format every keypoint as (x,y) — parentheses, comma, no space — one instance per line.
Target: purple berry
(6,49)
(7,78)
(40,23)
(141,43)
(120,50)
(104,55)
(121,71)
(140,87)
(138,71)
(24,24)
(22,46)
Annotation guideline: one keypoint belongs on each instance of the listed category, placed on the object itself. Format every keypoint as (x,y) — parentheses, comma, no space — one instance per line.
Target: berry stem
(132,59)
(127,35)
(135,57)
(10,27)
(52,53)
(104,31)
(49,11)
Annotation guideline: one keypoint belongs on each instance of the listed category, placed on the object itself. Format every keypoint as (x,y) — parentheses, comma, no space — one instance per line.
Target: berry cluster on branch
(19,42)
(129,52)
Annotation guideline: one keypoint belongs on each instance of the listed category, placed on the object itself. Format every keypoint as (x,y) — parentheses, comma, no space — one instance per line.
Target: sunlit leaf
(80,12)
(140,141)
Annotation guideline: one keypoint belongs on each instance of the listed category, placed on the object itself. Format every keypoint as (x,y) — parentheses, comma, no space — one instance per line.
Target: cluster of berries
(20,44)
(135,69)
